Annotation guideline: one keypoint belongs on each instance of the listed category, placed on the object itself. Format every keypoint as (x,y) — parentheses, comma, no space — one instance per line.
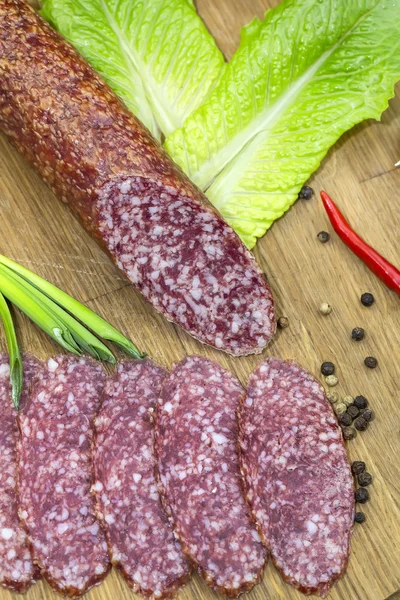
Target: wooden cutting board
(39,231)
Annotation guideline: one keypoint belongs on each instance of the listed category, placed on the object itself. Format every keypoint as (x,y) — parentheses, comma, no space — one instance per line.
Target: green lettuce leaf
(300,78)
(157,55)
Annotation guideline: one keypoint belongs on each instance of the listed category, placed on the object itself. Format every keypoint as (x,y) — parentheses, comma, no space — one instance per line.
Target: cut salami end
(160,230)
(17,571)
(56,505)
(139,536)
(196,445)
(188,263)
(297,475)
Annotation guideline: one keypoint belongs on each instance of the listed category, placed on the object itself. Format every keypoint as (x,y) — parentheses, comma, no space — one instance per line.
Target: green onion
(87,317)
(83,338)
(16,368)
(37,313)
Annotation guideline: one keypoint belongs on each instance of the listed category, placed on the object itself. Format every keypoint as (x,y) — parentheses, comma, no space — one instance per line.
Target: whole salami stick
(158,228)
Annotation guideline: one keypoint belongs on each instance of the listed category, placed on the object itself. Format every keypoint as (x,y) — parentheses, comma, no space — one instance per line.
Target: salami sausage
(196,445)
(17,571)
(55,475)
(139,536)
(297,475)
(158,228)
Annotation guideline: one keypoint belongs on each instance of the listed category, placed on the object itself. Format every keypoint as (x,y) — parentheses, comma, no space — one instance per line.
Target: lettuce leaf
(299,79)
(157,55)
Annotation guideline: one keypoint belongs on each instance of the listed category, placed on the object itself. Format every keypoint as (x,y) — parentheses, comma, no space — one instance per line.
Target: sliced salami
(55,475)
(17,571)
(196,445)
(297,475)
(140,538)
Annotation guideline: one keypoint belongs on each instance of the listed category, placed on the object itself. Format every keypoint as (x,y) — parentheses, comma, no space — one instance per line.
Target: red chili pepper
(382,268)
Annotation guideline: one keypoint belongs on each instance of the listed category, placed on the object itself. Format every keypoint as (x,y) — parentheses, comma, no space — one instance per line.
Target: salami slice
(55,475)
(297,475)
(158,228)
(139,536)
(196,445)
(17,571)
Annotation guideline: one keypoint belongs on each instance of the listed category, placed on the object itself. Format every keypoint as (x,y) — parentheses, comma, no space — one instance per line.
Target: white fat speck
(109,519)
(94,529)
(40,435)
(97,486)
(5,369)
(136,477)
(235,327)
(125,187)
(52,365)
(219,438)
(6,533)
(168,407)
(11,554)
(62,528)
(311,527)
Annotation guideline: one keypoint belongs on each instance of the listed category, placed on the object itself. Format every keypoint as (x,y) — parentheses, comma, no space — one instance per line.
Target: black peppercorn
(362,495)
(368,415)
(306,193)
(361,424)
(367,299)
(349,433)
(359,517)
(327,368)
(370,362)
(283,322)
(357,467)
(323,237)
(353,411)
(345,419)
(358,334)
(361,402)
(364,479)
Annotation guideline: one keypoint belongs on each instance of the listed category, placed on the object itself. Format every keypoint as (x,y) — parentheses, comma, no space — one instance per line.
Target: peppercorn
(345,419)
(332,397)
(347,400)
(357,467)
(353,411)
(325,308)
(362,495)
(331,380)
(349,433)
(358,334)
(359,517)
(368,415)
(364,479)
(367,299)
(306,193)
(323,237)
(361,402)
(371,362)
(361,424)
(327,368)
(283,322)
(340,408)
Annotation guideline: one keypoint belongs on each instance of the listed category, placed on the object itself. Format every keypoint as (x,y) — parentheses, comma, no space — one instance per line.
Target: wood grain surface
(40,232)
